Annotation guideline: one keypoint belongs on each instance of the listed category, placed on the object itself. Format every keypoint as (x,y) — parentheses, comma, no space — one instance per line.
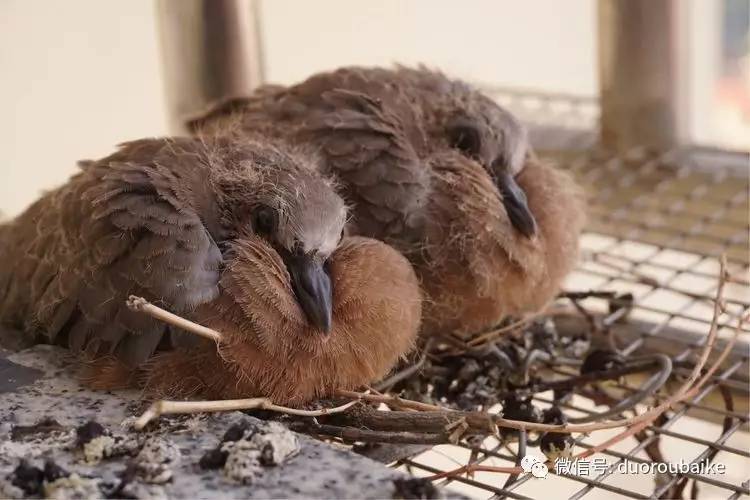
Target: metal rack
(658,225)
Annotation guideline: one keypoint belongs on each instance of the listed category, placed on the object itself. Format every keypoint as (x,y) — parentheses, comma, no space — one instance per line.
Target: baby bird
(176,221)
(439,171)
(268,347)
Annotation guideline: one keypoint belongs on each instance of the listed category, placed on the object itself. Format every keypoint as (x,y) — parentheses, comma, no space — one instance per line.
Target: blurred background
(80,76)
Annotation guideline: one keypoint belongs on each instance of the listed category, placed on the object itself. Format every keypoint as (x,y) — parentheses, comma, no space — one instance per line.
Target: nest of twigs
(458,389)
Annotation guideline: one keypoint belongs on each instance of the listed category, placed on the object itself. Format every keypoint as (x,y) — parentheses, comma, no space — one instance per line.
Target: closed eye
(297,248)
(466,139)
(265,221)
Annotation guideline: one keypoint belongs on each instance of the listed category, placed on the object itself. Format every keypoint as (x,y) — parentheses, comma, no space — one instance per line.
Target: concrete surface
(37,383)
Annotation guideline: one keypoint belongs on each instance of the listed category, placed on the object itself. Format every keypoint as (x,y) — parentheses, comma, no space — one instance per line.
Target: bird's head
(268,348)
(278,195)
(485,132)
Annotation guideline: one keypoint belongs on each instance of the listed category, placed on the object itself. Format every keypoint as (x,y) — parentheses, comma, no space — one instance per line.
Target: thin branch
(478,422)
(481,425)
(367,435)
(633,429)
(725,352)
(599,294)
(407,372)
(173,407)
(390,400)
(139,304)
(631,367)
(639,423)
(648,389)
(498,332)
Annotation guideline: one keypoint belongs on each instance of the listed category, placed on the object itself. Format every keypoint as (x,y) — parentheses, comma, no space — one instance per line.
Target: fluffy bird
(245,236)
(269,348)
(438,170)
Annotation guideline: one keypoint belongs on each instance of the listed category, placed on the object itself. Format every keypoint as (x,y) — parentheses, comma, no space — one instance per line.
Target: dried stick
(391,400)
(407,372)
(367,435)
(173,407)
(633,429)
(396,401)
(648,389)
(685,391)
(139,304)
(637,424)
(633,366)
(725,352)
(498,332)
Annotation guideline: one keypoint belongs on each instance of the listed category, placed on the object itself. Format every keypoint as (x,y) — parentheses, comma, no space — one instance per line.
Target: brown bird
(438,170)
(162,219)
(268,348)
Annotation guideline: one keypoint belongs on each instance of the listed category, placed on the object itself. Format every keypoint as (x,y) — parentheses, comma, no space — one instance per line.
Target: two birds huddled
(319,227)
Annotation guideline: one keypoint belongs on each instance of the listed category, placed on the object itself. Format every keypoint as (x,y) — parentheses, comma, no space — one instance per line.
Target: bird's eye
(465,138)
(297,248)
(264,220)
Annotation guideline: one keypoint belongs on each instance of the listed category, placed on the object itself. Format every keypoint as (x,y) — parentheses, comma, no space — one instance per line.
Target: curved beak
(312,286)
(516,205)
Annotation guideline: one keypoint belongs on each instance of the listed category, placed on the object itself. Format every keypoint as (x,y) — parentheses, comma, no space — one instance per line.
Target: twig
(502,422)
(139,304)
(725,352)
(498,332)
(367,435)
(476,421)
(633,429)
(649,388)
(689,387)
(407,372)
(390,400)
(653,440)
(640,422)
(172,407)
(717,363)
(632,366)
(599,294)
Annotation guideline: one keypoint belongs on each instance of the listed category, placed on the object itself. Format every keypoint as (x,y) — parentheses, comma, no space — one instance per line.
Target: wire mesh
(659,222)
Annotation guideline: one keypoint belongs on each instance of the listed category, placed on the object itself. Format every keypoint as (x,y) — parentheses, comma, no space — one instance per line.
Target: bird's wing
(367,131)
(117,228)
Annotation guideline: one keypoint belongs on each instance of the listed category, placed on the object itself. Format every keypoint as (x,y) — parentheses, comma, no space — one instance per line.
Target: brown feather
(390,139)
(146,220)
(270,350)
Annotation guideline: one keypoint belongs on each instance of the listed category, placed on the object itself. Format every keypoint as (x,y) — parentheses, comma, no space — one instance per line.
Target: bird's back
(395,139)
(367,126)
(36,253)
(113,229)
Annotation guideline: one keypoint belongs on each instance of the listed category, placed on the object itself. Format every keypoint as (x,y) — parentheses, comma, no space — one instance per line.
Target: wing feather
(369,137)
(118,228)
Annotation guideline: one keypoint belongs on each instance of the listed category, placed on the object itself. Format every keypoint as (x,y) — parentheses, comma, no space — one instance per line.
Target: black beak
(516,205)
(312,286)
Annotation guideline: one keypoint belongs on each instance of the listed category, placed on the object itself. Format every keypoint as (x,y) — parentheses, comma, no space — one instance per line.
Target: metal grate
(658,224)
